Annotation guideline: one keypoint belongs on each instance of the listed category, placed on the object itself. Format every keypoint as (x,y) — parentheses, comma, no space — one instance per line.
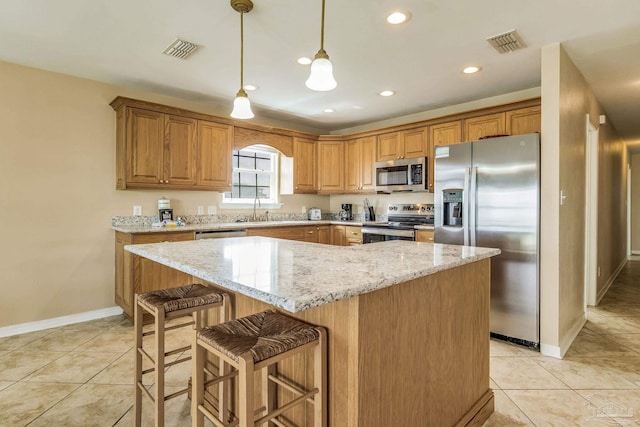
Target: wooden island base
(413,354)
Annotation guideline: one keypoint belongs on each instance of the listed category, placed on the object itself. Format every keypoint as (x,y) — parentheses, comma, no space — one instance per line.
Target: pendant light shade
(242,105)
(321,77)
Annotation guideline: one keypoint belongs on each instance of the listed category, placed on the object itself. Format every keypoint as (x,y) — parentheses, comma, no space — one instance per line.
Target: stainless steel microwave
(402,175)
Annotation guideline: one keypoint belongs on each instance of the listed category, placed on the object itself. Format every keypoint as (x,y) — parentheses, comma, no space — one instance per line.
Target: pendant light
(321,77)
(242,105)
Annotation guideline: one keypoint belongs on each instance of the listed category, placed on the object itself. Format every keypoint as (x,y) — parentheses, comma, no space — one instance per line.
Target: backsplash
(124,221)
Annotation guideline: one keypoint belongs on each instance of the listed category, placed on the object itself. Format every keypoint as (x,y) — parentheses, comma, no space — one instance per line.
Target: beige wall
(566,101)
(635,204)
(57,169)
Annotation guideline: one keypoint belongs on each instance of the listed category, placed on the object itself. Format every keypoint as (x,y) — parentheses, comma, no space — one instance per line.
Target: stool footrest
(286,407)
(176,394)
(146,392)
(289,386)
(177,350)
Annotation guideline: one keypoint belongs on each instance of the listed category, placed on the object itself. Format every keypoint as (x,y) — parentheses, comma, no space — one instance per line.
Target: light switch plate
(200,210)
(304,209)
(212,210)
(137,210)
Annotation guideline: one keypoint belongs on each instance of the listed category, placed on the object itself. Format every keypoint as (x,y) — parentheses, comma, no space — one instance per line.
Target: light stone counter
(296,276)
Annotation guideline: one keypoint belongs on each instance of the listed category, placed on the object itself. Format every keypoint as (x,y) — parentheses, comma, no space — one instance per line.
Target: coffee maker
(346,214)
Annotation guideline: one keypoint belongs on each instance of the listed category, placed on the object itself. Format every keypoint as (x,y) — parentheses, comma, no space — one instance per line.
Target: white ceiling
(120,42)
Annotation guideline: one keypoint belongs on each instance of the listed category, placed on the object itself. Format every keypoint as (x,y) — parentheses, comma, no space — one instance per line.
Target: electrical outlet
(212,210)
(303,209)
(200,210)
(137,210)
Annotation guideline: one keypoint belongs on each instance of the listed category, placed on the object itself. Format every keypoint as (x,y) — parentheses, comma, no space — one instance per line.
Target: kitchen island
(408,322)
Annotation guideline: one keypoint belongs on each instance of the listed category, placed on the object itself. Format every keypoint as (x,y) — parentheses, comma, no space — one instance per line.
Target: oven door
(381,234)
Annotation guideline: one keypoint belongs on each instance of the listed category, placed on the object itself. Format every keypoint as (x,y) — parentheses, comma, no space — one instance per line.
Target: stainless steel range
(401,222)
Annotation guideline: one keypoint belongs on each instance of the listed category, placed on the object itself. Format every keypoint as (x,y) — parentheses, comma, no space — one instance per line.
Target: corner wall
(566,101)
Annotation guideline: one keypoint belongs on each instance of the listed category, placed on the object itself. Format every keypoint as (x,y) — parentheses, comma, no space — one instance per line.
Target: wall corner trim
(558,352)
(40,325)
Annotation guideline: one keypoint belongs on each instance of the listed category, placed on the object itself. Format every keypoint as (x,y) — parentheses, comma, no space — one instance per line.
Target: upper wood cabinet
(488,125)
(214,166)
(304,166)
(524,120)
(179,150)
(360,158)
(330,167)
(155,149)
(402,145)
(442,134)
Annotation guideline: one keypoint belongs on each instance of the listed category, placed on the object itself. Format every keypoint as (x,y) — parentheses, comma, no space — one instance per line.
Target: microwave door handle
(465,206)
(472,206)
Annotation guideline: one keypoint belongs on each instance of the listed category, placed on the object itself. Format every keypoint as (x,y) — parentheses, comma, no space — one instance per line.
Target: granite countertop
(226,226)
(296,276)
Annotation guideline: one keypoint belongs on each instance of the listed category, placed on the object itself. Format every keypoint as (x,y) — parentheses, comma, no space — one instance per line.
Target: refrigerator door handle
(472,206)
(465,206)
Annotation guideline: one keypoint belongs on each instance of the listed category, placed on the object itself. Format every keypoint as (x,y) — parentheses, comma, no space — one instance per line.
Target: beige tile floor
(82,374)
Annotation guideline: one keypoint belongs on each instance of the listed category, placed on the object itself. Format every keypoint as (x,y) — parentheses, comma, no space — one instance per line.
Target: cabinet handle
(309,232)
(166,181)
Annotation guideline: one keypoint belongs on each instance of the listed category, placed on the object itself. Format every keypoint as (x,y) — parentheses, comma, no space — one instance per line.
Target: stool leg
(269,395)
(138,312)
(197,383)
(320,381)
(245,378)
(159,368)
(224,387)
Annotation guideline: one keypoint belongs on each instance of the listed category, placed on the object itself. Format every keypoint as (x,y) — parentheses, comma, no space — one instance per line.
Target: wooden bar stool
(253,343)
(163,305)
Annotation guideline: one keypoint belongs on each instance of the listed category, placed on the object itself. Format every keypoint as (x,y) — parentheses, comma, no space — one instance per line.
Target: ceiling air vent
(180,49)
(506,42)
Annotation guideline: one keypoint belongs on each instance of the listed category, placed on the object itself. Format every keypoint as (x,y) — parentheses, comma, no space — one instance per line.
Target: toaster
(315,214)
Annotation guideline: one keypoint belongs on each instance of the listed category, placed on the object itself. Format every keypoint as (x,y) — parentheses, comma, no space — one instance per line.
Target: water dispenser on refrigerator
(452,207)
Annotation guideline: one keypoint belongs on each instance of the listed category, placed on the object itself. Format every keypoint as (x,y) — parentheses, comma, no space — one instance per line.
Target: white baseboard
(559,351)
(635,252)
(610,281)
(40,325)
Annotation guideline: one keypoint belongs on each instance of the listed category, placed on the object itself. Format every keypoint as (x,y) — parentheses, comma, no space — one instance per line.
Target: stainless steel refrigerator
(487,193)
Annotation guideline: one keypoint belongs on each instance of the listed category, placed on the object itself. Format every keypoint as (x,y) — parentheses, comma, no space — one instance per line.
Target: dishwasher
(219,234)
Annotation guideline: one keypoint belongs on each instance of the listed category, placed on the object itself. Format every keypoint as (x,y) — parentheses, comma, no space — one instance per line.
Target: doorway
(591,268)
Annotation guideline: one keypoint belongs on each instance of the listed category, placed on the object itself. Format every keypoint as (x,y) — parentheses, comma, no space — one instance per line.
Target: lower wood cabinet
(288,233)
(338,235)
(353,235)
(137,275)
(424,236)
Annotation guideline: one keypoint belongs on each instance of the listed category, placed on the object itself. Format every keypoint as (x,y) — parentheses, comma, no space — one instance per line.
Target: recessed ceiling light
(329,110)
(386,93)
(357,107)
(471,70)
(303,60)
(250,87)
(398,17)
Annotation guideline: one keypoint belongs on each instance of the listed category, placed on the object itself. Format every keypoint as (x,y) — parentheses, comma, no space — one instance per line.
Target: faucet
(257,199)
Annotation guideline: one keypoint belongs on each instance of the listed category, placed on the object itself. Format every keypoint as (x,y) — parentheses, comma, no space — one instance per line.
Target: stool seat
(263,335)
(182,298)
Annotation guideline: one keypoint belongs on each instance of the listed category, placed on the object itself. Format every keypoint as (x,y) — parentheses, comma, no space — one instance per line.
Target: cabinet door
(442,134)
(145,147)
(478,127)
(179,150)
(304,166)
(352,165)
(311,234)
(524,120)
(338,235)
(354,235)
(288,233)
(388,146)
(424,236)
(414,143)
(214,155)
(330,167)
(367,163)
(324,234)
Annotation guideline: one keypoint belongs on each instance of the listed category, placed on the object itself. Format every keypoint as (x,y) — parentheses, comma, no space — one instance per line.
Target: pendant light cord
(242,50)
(322,29)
